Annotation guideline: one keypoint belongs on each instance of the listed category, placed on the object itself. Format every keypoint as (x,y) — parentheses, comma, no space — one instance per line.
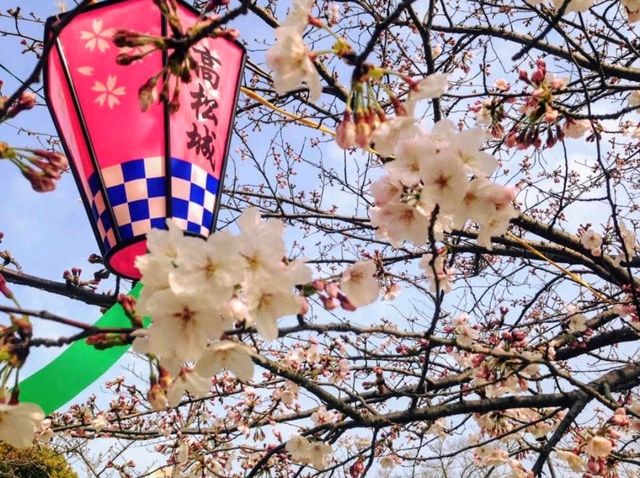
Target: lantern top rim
(106,3)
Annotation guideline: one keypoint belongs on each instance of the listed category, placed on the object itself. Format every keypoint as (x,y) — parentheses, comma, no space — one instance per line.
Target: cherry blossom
(322,416)
(432,86)
(390,133)
(188,380)
(359,283)
(574,5)
(632,9)
(442,272)
(574,461)
(182,325)
(99,422)
(266,305)
(465,335)
(291,62)
(592,241)
(577,321)
(226,355)
(298,16)
(19,423)
(598,447)
(398,222)
(466,146)
(576,128)
(210,265)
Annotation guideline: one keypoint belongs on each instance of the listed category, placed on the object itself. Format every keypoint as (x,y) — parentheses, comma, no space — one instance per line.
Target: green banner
(77,367)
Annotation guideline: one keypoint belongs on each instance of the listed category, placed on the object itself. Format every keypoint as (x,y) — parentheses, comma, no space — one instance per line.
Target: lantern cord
(296,118)
(577,279)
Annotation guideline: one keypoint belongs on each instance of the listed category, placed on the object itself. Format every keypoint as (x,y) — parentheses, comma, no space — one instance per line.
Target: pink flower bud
(304,306)
(373,120)
(511,140)
(332,289)
(346,132)
(346,304)
(27,101)
(537,76)
(330,303)
(550,115)
(363,133)
(523,76)
(4,288)
(39,182)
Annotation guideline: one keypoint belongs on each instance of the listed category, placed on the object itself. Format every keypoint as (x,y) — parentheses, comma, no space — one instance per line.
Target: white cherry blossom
(576,128)
(385,190)
(398,222)
(466,146)
(211,266)
(592,241)
(433,86)
(226,355)
(598,447)
(442,272)
(319,453)
(298,448)
(574,461)
(445,182)
(188,380)
(359,283)
(574,5)
(322,416)
(291,62)
(298,16)
(19,423)
(182,325)
(99,422)
(577,321)
(391,132)
(266,304)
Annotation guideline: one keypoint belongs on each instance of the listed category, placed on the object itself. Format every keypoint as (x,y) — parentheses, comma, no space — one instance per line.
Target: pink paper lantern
(135,169)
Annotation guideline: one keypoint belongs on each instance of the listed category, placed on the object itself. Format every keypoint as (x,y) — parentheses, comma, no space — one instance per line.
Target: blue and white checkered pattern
(137,192)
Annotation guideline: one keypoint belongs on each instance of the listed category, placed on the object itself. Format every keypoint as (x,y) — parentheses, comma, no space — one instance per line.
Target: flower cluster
(540,114)
(289,58)
(42,168)
(594,447)
(197,290)
(438,181)
(26,101)
(370,123)
(632,9)
(305,452)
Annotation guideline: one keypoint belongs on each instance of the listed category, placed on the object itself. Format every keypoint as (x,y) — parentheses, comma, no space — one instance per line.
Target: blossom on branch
(292,64)
(19,423)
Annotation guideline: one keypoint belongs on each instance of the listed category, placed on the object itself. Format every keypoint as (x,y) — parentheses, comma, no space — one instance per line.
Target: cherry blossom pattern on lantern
(98,38)
(108,92)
